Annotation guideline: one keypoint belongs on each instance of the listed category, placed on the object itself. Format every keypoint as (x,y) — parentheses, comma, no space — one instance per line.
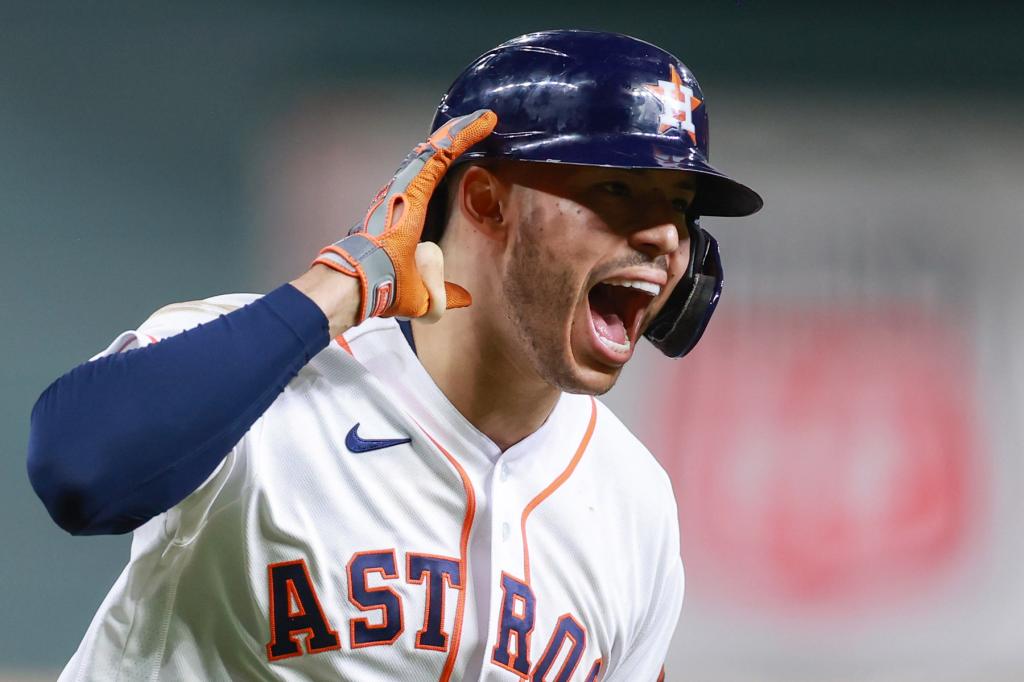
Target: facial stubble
(540,301)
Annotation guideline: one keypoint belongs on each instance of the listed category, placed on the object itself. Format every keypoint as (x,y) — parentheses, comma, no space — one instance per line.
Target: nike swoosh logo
(356,444)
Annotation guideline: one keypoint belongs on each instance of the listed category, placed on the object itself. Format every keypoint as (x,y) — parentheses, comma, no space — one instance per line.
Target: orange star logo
(678,104)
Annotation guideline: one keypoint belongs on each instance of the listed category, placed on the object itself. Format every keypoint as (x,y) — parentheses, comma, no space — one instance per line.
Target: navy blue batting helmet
(595,99)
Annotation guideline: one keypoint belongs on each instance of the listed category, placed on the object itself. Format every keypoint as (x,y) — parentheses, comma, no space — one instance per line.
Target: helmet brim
(717,193)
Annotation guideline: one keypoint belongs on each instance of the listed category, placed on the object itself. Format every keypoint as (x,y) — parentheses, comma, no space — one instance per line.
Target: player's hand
(430,265)
(382,252)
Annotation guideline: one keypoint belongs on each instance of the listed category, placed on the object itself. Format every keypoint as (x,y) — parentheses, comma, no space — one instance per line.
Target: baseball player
(341,481)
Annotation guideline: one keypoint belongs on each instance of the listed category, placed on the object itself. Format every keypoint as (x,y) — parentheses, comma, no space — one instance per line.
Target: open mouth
(617,308)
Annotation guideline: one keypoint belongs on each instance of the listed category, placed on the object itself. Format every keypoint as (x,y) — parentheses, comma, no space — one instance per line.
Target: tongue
(610,327)
(607,322)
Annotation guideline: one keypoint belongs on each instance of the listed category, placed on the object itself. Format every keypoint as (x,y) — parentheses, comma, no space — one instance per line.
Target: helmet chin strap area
(681,322)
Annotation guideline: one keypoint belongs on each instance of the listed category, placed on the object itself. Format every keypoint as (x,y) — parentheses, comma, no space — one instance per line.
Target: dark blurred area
(152,153)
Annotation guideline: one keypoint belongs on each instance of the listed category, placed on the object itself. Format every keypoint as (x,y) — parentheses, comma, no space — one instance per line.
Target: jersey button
(506,530)
(503,471)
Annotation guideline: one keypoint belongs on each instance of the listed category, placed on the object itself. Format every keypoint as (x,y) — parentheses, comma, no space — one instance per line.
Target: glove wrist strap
(361,256)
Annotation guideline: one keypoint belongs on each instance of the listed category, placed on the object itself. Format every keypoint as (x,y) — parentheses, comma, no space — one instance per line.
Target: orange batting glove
(380,252)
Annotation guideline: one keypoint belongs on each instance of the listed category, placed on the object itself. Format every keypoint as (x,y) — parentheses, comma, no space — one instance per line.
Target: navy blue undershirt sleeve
(406,327)
(118,440)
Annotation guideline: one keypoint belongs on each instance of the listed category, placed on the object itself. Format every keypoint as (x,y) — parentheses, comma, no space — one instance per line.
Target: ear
(480,198)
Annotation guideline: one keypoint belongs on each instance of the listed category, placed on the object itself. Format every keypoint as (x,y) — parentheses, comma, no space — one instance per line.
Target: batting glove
(380,252)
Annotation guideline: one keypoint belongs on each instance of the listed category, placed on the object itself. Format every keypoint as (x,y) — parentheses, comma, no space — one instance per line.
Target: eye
(681,205)
(615,188)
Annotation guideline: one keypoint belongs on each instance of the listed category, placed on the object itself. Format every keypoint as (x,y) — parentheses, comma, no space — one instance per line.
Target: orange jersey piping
(467,525)
(340,340)
(554,485)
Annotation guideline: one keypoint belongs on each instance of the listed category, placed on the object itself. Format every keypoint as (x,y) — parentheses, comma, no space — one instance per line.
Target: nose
(659,238)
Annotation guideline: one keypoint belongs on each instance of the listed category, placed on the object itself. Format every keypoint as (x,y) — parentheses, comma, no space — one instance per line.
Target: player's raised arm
(118,440)
(397,275)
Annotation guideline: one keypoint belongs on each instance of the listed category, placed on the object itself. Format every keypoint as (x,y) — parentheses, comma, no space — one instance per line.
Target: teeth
(646,287)
(617,347)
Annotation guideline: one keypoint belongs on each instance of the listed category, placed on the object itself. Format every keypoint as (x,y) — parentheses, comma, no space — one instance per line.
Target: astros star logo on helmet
(678,102)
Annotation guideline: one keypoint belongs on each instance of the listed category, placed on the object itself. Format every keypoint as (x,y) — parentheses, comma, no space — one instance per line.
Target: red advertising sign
(822,459)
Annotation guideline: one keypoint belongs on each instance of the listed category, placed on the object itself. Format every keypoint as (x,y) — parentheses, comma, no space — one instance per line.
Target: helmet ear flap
(681,322)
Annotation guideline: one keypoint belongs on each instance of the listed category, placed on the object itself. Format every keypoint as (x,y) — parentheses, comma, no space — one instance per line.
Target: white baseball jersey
(364,530)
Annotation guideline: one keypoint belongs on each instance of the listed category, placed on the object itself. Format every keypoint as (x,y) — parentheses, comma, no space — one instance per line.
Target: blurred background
(846,443)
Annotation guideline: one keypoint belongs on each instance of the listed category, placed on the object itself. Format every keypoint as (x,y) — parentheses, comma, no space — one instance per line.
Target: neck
(494,392)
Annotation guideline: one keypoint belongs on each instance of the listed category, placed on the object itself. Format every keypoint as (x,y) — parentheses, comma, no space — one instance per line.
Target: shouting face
(588,257)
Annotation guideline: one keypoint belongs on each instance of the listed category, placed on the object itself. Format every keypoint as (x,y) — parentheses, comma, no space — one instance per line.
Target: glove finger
(462,132)
(457,296)
(445,145)
(421,173)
